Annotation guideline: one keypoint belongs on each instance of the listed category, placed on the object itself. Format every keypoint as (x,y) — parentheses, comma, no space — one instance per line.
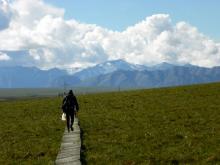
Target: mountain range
(28,77)
(117,73)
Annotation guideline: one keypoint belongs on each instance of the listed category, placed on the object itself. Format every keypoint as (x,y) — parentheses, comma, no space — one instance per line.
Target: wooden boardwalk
(69,153)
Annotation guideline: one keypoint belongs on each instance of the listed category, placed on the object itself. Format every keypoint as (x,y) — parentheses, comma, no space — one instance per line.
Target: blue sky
(119,14)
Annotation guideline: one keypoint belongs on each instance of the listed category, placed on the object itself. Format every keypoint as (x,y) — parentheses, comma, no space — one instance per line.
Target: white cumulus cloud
(51,41)
(4,57)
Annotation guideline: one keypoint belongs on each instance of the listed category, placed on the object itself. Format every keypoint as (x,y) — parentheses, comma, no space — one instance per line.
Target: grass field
(158,126)
(30,131)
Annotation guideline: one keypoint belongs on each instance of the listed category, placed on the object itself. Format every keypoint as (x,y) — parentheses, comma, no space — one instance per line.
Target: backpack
(67,104)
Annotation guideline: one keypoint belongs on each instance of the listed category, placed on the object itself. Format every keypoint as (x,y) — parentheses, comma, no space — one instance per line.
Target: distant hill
(28,77)
(116,73)
(178,75)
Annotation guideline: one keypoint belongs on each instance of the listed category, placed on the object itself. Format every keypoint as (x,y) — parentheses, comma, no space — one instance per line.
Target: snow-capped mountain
(162,66)
(73,70)
(166,66)
(109,74)
(108,67)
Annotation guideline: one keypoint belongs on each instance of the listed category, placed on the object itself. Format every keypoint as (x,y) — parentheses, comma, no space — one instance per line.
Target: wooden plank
(69,153)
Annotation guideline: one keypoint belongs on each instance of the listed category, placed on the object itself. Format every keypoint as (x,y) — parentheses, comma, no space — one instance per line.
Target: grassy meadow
(30,131)
(178,125)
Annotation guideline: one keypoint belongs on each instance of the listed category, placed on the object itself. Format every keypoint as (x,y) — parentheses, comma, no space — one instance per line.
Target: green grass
(30,131)
(156,126)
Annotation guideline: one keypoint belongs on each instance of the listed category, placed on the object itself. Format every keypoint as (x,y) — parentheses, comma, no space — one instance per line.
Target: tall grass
(157,126)
(30,131)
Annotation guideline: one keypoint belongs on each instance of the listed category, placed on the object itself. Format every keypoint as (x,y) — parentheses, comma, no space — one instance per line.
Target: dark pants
(69,120)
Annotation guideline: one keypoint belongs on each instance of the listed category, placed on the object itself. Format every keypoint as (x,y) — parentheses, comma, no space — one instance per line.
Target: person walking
(70,108)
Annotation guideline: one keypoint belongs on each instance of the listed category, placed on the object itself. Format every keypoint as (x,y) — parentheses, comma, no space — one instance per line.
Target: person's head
(70,92)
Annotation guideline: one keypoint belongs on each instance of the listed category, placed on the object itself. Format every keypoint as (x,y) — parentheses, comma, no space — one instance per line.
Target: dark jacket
(70,104)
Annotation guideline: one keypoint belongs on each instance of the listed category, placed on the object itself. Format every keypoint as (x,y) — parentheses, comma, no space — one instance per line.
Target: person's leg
(68,122)
(72,121)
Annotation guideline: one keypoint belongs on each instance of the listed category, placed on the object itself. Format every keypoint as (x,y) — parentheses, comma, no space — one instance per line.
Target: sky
(119,14)
(73,33)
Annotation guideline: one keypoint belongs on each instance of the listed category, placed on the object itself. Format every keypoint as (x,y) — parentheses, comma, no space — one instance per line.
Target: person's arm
(76,103)
(63,104)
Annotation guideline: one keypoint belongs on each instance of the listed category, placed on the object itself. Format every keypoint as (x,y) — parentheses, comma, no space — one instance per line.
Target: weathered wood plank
(69,153)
